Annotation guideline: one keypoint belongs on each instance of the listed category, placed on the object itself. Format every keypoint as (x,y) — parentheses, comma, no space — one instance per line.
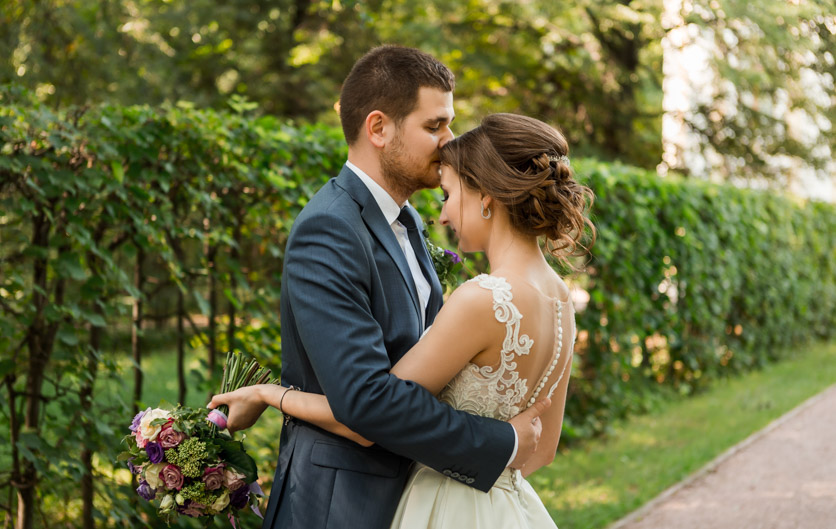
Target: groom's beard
(403,173)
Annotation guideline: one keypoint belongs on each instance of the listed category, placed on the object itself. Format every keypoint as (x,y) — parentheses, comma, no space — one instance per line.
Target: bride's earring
(486,212)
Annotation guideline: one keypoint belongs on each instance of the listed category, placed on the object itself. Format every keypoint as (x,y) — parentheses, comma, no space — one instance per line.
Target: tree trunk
(181,339)
(235,257)
(40,341)
(86,398)
(14,431)
(211,331)
(136,328)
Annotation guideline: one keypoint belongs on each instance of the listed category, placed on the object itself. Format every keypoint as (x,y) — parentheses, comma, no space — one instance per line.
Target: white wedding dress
(434,501)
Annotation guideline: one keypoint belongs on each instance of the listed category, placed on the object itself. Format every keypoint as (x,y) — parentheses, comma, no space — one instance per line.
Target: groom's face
(412,156)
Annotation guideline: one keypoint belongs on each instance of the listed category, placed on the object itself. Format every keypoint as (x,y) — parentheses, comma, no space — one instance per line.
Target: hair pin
(562,158)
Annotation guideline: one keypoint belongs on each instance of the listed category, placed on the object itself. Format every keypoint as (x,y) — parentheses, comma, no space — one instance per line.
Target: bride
(502,341)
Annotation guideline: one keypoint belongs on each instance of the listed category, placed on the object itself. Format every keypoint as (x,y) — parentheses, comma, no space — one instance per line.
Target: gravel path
(783,477)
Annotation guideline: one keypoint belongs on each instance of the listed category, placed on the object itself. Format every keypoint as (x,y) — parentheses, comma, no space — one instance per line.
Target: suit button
(463,478)
(446,472)
(470,480)
(455,475)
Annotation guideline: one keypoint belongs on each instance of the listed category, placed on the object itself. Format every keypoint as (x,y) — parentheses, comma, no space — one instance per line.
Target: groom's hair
(387,79)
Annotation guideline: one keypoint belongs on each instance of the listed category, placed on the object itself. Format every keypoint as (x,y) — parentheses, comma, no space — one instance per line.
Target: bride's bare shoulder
(470,294)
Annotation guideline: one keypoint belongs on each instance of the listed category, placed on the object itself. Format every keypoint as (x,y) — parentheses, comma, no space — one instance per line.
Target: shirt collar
(384,200)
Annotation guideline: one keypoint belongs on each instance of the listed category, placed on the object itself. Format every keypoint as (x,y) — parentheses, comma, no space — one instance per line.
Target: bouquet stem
(239,372)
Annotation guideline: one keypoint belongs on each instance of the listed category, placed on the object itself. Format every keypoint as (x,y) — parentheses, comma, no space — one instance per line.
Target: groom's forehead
(434,106)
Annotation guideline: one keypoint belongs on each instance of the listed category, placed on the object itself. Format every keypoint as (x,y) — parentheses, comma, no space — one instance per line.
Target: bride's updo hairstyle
(523,164)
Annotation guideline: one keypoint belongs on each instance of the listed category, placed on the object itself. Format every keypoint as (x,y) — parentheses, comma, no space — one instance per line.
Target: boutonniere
(447,264)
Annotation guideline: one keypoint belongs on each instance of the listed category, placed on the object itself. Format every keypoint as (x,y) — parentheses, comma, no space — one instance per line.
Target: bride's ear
(377,127)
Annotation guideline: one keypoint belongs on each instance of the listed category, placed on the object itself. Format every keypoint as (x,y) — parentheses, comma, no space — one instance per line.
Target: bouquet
(185,460)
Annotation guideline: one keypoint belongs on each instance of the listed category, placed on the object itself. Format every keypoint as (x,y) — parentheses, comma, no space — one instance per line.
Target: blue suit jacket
(349,311)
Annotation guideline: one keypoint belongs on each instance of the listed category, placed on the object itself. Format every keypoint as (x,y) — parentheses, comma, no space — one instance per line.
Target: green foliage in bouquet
(447,264)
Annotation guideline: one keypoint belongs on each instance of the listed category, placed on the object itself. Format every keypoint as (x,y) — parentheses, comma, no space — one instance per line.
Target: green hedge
(690,281)
(177,213)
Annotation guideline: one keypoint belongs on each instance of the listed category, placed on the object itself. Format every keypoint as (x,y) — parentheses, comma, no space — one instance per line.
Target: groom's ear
(377,128)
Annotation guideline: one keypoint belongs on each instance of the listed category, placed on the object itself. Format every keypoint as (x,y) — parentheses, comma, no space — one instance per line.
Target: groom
(358,291)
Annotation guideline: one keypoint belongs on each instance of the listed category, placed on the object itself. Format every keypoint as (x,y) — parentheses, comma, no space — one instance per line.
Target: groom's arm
(328,284)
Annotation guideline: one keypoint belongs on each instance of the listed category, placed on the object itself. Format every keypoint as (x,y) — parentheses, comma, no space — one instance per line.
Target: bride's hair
(522,163)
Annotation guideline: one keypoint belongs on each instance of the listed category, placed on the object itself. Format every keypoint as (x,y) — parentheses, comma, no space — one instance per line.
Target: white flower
(167,503)
(222,501)
(152,474)
(149,432)
(233,480)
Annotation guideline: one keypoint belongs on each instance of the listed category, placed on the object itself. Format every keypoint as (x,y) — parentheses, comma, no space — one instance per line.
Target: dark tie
(408,221)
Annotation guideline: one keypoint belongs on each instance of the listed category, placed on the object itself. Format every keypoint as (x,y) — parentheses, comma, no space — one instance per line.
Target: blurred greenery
(592,67)
(770,92)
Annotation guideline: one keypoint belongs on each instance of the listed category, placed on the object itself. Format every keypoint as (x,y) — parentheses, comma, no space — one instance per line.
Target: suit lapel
(378,227)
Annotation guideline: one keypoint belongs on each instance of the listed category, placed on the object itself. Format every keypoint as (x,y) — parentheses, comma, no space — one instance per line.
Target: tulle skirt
(433,501)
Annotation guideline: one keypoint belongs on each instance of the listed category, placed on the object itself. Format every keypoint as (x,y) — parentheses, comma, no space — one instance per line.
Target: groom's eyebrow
(439,120)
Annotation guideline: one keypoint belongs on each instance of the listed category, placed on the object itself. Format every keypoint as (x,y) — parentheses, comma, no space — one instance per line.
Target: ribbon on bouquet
(218,418)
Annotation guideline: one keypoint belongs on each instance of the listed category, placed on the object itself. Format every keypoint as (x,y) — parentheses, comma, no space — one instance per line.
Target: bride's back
(532,338)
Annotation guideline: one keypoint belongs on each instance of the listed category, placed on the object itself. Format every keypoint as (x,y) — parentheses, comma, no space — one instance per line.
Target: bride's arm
(431,363)
(310,407)
(457,335)
(248,403)
(461,331)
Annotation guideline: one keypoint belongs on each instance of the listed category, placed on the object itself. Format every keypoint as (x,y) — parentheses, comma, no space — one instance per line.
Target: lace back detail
(499,391)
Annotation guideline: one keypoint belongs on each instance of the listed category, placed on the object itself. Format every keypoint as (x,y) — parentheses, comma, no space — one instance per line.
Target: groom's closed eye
(436,124)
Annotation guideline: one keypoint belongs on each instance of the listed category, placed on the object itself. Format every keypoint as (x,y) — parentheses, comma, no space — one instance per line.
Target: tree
(767,105)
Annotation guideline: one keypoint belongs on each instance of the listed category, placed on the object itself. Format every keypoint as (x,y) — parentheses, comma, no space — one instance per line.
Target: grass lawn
(593,485)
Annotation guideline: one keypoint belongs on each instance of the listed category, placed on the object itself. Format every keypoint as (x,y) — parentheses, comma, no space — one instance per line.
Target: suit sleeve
(328,282)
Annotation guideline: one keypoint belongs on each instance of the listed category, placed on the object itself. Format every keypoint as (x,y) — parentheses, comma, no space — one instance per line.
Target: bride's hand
(245,406)
(529,427)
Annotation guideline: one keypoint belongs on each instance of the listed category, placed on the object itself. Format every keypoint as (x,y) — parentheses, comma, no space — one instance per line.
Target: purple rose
(454,256)
(213,478)
(172,477)
(133,468)
(137,418)
(239,498)
(145,490)
(155,452)
(169,437)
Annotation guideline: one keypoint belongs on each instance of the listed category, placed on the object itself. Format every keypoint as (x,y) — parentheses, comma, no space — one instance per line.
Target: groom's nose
(447,136)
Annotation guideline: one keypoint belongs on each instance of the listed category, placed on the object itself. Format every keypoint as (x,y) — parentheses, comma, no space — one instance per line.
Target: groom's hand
(529,427)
